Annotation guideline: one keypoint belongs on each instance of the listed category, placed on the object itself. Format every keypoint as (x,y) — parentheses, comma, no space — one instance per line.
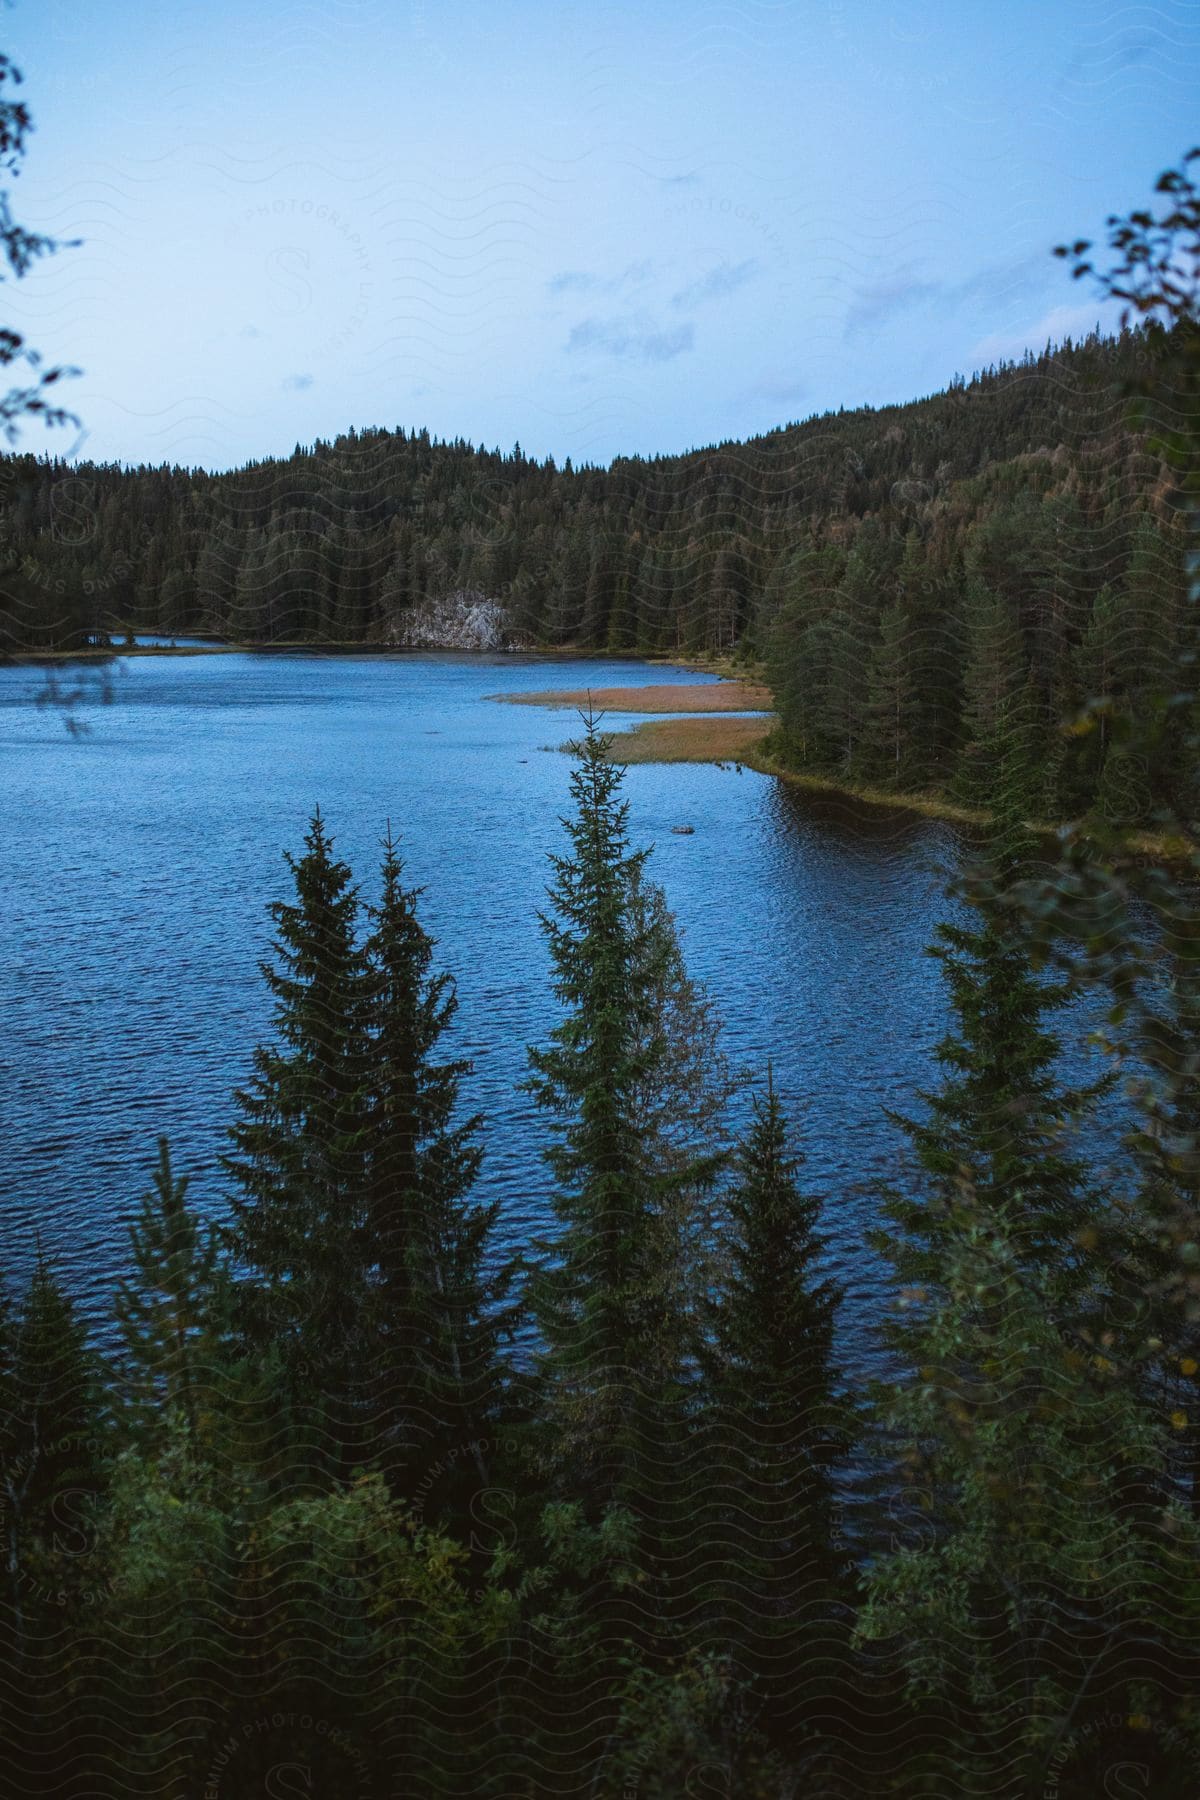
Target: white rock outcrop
(463,620)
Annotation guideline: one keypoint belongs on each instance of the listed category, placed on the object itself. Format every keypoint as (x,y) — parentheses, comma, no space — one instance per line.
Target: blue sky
(593,229)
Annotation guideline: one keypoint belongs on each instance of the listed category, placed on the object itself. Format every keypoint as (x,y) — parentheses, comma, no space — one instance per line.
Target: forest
(904,575)
(358,1504)
(351,1502)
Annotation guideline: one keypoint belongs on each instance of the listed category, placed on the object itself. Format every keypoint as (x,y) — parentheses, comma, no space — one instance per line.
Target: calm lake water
(138,860)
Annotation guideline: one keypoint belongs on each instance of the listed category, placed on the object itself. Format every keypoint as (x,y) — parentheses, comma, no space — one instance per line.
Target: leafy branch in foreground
(22,248)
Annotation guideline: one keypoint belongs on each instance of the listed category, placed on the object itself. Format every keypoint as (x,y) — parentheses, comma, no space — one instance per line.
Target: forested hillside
(916,577)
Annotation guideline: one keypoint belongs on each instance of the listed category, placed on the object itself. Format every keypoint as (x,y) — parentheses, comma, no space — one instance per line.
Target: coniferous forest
(349,1501)
(907,576)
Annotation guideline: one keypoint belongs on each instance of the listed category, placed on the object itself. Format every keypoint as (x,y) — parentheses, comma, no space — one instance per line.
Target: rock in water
(683,830)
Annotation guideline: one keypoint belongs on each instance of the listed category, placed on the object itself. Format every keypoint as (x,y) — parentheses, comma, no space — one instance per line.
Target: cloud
(579,281)
(777,386)
(297,382)
(877,302)
(724,278)
(635,337)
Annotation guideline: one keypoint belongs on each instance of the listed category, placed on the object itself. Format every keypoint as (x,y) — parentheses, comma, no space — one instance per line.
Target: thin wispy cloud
(779,387)
(876,303)
(724,278)
(583,281)
(635,338)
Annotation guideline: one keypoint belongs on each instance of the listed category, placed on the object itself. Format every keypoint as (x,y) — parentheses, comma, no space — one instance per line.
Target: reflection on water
(139,859)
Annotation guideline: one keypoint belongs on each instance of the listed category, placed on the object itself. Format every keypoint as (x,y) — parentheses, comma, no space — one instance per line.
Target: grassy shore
(717,739)
(715,697)
(721,739)
(713,738)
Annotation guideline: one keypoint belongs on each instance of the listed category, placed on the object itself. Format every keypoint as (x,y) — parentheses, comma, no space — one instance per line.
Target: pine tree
(929,596)
(54,1450)
(682,1104)
(298,1226)
(892,699)
(604,1305)
(167,1310)
(997,708)
(438,1310)
(1030,1600)
(1000,1116)
(1151,595)
(773,1431)
(851,629)
(773,1328)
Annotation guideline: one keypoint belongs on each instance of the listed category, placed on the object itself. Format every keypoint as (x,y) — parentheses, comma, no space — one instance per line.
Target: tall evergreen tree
(437,1307)
(602,1303)
(1038,1592)
(851,630)
(298,1231)
(1001,1119)
(892,699)
(1001,708)
(772,1329)
(168,1309)
(773,1430)
(53,1471)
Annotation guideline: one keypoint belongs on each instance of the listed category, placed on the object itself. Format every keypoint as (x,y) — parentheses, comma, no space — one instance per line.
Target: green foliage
(1044,1578)
(773,1429)
(608,1306)
(55,1444)
(298,1230)
(168,1309)
(227,1606)
(436,1311)
(845,551)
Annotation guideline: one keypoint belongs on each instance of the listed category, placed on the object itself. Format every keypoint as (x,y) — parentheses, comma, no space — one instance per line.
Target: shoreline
(712,699)
(697,733)
(749,752)
(331,647)
(707,733)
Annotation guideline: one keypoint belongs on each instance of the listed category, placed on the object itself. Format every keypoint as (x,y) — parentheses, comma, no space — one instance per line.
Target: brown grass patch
(713,697)
(706,740)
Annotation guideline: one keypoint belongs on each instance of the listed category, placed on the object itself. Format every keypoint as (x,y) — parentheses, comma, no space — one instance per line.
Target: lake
(139,859)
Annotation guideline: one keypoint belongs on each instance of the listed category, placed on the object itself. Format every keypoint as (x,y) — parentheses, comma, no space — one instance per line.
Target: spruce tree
(892,699)
(1000,1120)
(851,628)
(55,1453)
(1000,1116)
(1034,1590)
(682,1103)
(298,1229)
(773,1430)
(995,691)
(436,1308)
(606,1307)
(168,1309)
(773,1326)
